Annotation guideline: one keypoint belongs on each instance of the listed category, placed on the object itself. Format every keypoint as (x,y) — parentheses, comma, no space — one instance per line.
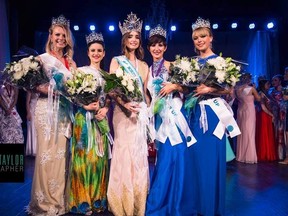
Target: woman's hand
(203,89)
(101,114)
(132,106)
(92,106)
(167,89)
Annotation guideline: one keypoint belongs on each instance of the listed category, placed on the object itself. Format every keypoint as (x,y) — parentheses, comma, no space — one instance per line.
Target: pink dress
(246,119)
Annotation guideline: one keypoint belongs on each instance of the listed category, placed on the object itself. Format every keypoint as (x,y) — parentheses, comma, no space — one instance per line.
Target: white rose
(18,75)
(17,67)
(124,82)
(130,88)
(34,65)
(119,72)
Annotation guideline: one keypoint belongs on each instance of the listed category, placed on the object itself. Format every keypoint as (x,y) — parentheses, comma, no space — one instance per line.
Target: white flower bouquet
(83,88)
(184,71)
(124,84)
(26,73)
(219,71)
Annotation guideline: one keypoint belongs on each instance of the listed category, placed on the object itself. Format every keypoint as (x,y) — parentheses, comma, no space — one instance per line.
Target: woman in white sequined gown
(53,126)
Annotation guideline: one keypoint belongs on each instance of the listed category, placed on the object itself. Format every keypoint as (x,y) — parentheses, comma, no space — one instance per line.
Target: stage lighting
(234,25)
(76,28)
(270,25)
(92,27)
(147,27)
(251,25)
(173,28)
(111,28)
(215,26)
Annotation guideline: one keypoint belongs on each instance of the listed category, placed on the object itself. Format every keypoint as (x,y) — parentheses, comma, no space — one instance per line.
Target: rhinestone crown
(132,23)
(158,30)
(93,36)
(201,23)
(61,20)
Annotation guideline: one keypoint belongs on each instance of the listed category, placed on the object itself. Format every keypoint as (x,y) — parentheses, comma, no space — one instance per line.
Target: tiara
(61,20)
(201,23)
(158,30)
(132,23)
(93,36)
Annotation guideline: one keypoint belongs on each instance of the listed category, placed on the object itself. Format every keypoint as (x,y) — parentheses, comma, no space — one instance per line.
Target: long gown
(53,129)
(31,142)
(89,169)
(129,170)
(246,118)
(10,125)
(169,191)
(265,139)
(208,167)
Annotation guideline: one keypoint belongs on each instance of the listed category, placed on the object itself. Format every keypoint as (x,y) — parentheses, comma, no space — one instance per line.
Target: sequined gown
(129,170)
(53,129)
(169,190)
(89,169)
(10,125)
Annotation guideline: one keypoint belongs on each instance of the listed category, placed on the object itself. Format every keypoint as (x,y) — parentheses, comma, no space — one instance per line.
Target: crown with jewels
(132,23)
(93,36)
(201,23)
(158,30)
(61,20)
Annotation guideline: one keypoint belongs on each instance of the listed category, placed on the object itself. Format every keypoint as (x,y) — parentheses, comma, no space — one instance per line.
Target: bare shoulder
(113,65)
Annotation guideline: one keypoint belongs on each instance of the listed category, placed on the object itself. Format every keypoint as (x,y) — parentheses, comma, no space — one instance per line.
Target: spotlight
(215,26)
(270,25)
(173,28)
(147,27)
(111,28)
(92,27)
(234,25)
(251,25)
(76,28)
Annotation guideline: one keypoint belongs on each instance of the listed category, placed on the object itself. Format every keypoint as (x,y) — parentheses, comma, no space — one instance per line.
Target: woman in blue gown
(169,191)
(209,153)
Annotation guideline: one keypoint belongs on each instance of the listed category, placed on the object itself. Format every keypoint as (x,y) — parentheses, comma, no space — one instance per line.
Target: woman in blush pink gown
(246,119)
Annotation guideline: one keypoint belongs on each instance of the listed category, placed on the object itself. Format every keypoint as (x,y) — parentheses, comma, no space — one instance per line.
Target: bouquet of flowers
(123,83)
(83,88)
(219,71)
(27,73)
(185,71)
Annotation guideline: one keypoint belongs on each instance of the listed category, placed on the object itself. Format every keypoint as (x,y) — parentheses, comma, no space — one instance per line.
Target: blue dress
(209,163)
(170,191)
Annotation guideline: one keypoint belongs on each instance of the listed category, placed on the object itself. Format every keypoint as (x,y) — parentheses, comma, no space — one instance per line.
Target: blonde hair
(68,50)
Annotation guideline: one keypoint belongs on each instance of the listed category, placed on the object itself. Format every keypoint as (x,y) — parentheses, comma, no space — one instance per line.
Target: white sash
(225,115)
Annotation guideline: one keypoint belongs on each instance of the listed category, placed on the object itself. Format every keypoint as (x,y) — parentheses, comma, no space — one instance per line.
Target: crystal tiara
(201,23)
(132,23)
(158,30)
(93,36)
(61,20)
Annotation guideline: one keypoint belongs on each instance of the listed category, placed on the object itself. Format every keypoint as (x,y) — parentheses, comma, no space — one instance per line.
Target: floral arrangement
(26,73)
(124,84)
(185,71)
(83,88)
(219,71)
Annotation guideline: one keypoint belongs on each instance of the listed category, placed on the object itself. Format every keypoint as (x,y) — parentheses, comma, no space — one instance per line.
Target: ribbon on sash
(172,119)
(225,115)
(128,68)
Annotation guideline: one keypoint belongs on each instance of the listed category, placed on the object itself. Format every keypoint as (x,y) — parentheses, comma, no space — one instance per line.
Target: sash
(128,68)
(225,115)
(172,119)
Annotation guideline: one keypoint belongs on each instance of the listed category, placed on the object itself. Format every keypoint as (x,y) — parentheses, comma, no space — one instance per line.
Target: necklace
(158,70)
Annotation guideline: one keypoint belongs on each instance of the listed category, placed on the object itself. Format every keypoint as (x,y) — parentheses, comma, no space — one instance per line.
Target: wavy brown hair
(139,52)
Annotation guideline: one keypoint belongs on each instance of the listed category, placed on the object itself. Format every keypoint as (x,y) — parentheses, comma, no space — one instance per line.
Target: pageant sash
(225,115)
(172,119)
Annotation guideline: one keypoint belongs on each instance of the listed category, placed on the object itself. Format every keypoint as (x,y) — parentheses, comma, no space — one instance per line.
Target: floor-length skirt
(89,172)
(31,142)
(47,193)
(129,170)
(208,168)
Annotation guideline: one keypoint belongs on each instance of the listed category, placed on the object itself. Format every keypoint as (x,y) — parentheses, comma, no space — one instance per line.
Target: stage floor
(251,189)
